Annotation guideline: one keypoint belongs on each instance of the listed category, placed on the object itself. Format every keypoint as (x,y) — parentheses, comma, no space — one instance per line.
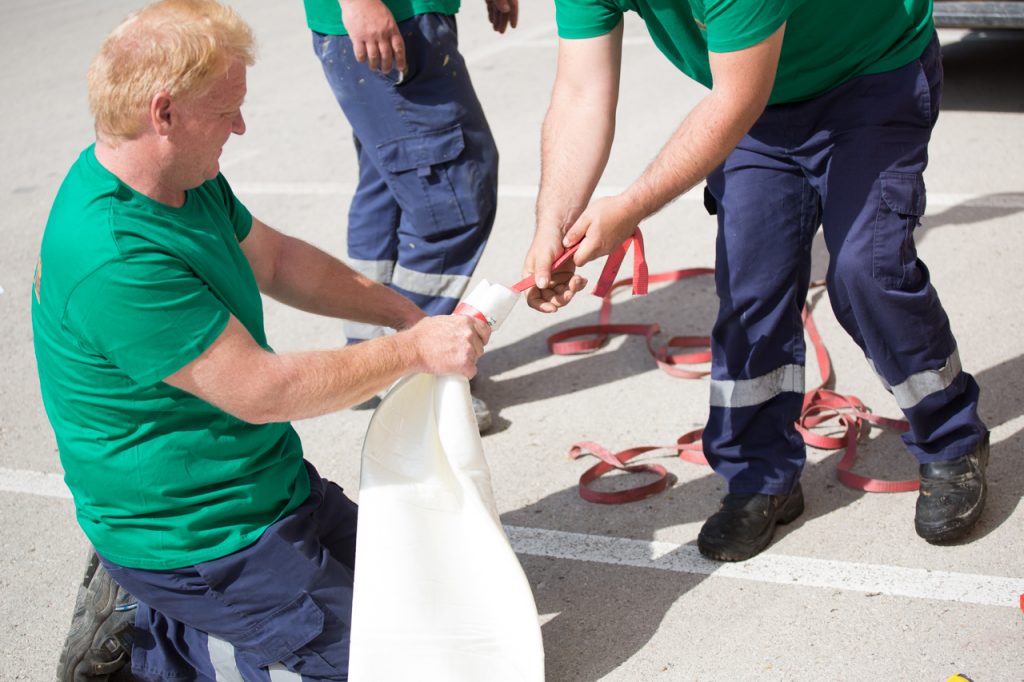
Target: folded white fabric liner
(439,593)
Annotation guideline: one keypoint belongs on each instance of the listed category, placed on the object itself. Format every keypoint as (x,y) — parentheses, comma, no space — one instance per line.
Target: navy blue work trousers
(428,166)
(279,610)
(850,161)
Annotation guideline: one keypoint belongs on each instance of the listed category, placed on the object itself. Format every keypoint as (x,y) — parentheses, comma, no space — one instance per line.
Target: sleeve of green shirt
(738,24)
(239,215)
(586,18)
(149,316)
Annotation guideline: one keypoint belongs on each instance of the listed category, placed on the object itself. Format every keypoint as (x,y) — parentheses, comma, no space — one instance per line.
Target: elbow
(262,397)
(258,415)
(256,410)
(735,114)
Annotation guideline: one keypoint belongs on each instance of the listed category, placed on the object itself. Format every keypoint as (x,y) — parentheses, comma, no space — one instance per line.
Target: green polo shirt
(127,292)
(827,42)
(324,16)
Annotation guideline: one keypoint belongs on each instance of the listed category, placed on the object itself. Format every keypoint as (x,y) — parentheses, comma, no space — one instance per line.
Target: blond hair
(176,46)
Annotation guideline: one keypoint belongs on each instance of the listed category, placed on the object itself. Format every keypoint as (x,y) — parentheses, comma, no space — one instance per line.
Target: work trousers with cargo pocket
(279,610)
(851,161)
(428,166)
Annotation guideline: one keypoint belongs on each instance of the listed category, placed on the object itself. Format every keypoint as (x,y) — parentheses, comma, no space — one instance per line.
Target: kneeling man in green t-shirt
(170,409)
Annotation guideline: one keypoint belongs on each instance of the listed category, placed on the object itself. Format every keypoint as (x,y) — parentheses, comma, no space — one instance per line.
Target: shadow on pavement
(984,72)
(984,208)
(681,308)
(1000,404)
(605,613)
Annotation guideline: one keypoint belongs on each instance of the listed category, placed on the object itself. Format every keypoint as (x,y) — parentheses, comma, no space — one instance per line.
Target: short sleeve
(149,315)
(586,18)
(241,219)
(738,24)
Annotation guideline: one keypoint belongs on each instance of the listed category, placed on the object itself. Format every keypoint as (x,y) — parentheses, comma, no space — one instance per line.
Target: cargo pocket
(432,185)
(283,636)
(900,207)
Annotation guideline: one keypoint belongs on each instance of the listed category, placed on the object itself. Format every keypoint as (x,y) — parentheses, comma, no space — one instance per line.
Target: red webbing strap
(559,343)
(820,404)
(464,308)
(687,447)
(615,258)
(519,287)
(527,282)
(611,267)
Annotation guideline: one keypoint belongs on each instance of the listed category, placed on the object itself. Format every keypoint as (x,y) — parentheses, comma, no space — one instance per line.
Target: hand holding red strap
(615,258)
(611,267)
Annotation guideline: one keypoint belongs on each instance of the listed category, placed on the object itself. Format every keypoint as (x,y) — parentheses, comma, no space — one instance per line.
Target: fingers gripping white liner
(493,301)
(439,593)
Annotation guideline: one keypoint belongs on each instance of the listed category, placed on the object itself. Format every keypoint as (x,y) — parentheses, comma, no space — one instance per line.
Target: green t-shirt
(324,16)
(127,292)
(827,42)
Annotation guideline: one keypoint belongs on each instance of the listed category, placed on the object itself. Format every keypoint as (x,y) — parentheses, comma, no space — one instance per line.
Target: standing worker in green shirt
(819,114)
(170,409)
(428,166)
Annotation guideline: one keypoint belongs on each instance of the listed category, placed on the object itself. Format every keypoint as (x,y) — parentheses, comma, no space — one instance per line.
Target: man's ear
(160,115)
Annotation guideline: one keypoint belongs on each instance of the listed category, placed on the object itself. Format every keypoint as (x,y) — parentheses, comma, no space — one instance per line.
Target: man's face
(206,123)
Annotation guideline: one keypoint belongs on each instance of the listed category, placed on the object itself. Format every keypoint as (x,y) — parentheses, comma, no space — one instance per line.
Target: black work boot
(952,496)
(99,643)
(746,523)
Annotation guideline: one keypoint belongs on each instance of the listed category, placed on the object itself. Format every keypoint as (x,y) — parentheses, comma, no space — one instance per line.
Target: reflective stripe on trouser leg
(766,223)
(229,669)
(426,141)
(168,649)
(282,603)
(880,290)
(918,387)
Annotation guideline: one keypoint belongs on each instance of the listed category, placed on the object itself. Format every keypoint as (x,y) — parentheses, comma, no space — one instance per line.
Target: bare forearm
(300,385)
(311,280)
(743,84)
(575,144)
(578,129)
(702,142)
(313,383)
(255,385)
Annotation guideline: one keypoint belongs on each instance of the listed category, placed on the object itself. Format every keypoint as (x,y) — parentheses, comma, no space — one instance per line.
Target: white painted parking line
(294,188)
(917,583)
(347,189)
(551,43)
(1008,200)
(33,483)
(510,41)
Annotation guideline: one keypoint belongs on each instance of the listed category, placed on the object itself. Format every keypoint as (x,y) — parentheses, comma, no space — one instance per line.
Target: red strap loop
(821,405)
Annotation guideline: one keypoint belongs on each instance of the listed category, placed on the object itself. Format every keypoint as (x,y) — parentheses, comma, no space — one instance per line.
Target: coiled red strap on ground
(821,405)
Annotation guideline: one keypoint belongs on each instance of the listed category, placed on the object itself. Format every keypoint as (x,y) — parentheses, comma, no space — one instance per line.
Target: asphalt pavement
(848,592)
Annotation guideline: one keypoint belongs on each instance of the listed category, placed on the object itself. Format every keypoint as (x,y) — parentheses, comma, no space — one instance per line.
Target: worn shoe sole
(957,527)
(791,509)
(91,626)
